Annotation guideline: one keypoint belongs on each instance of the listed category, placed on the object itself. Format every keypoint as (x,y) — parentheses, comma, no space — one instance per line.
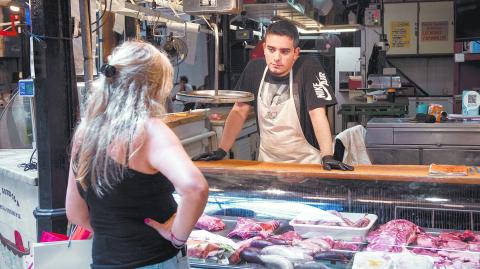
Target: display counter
(279,192)
(272,191)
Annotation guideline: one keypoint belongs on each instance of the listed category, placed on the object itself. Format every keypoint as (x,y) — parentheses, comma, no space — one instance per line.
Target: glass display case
(427,220)
(16,131)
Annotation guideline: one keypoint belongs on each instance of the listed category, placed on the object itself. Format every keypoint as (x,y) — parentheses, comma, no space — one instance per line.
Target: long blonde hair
(137,90)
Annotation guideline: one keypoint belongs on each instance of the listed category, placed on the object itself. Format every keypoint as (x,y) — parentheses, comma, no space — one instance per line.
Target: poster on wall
(400,34)
(435,31)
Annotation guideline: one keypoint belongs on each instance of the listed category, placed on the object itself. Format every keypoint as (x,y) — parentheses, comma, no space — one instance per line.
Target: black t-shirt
(311,89)
(121,239)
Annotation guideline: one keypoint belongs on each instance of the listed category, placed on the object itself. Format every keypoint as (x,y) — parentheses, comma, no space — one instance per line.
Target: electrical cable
(41,38)
(31,165)
(101,16)
(101,25)
(14,94)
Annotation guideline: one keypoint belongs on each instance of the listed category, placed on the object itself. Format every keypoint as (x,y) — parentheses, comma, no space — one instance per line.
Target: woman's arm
(166,154)
(75,205)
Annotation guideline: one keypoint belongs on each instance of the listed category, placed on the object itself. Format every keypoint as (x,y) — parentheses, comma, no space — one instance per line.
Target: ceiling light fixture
(14,8)
(344,28)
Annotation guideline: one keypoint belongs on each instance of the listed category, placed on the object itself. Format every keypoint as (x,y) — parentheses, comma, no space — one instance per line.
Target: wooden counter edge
(404,173)
(173,121)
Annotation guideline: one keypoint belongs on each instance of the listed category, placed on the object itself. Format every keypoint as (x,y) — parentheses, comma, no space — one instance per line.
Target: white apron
(281,135)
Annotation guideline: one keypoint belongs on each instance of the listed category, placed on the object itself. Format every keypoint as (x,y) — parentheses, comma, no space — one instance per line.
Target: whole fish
(276,262)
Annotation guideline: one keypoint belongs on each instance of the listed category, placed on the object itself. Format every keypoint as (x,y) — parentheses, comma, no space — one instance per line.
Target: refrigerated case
(267,191)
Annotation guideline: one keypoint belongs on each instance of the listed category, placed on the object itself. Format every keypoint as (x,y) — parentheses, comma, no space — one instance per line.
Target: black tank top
(121,238)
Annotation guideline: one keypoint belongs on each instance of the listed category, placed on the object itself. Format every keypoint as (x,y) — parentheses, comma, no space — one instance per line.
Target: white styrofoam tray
(337,232)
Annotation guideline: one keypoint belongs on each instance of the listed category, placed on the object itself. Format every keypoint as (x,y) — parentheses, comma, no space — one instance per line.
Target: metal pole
(55,109)
(32,75)
(226,52)
(217,56)
(87,43)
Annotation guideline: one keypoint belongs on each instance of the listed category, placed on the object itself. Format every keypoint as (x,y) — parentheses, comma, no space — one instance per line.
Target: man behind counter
(286,87)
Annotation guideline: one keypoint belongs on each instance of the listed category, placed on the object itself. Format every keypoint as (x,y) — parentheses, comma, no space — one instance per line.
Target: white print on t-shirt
(320,88)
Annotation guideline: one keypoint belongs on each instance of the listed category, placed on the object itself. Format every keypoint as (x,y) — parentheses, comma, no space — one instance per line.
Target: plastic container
(391,95)
(436,111)
(338,232)
(52,237)
(422,108)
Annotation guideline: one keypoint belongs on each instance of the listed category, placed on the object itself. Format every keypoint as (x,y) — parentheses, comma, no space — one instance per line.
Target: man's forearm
(325,142)
(233,125)
(322,131)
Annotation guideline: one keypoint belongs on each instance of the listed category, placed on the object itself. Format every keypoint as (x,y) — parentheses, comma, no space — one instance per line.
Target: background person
(182,85)
(292,94)
(126,163)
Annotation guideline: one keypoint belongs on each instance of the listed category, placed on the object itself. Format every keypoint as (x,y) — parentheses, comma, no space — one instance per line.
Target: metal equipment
(215,96)
(176,49)
(195,7)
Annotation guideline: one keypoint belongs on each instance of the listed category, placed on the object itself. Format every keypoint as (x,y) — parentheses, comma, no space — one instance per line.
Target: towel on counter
(353,139)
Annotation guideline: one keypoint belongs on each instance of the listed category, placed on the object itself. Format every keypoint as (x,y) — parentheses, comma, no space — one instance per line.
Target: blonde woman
(126,163)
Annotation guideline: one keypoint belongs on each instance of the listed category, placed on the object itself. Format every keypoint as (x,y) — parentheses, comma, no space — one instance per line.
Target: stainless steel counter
(404,141)
(410,122)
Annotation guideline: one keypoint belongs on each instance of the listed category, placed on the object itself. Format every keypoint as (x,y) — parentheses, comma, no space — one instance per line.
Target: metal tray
(219,97)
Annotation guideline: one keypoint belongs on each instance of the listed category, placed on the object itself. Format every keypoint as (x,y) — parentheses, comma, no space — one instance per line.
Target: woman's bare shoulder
(155,124)
(156,129)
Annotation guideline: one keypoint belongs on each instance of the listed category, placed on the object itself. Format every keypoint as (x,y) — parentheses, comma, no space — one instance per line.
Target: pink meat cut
(393,236)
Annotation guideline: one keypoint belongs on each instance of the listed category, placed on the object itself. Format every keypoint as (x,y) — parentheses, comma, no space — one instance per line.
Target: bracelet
(177,246)
(174,238)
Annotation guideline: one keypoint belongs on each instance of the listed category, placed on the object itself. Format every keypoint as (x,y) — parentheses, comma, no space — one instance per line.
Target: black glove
(330,163)
(215,155)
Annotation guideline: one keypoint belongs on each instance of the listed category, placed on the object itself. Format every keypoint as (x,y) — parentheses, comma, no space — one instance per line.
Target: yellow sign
(400,34)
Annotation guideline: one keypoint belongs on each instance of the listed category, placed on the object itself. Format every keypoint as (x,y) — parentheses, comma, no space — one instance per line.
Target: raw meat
(201,249)
(428,241)
(342,245)
(393,236)
(247,228)
(288,237)
(210,224)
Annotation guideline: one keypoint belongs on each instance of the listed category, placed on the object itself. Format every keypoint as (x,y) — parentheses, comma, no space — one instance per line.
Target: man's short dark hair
(184,79)
(284,28)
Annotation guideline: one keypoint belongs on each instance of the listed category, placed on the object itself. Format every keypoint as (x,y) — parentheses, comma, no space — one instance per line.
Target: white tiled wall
(434,75)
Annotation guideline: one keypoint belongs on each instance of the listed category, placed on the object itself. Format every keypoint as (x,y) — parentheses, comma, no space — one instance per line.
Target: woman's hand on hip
(164,229)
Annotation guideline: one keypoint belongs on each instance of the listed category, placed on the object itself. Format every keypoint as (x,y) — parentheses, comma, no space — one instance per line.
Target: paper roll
(181,28)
